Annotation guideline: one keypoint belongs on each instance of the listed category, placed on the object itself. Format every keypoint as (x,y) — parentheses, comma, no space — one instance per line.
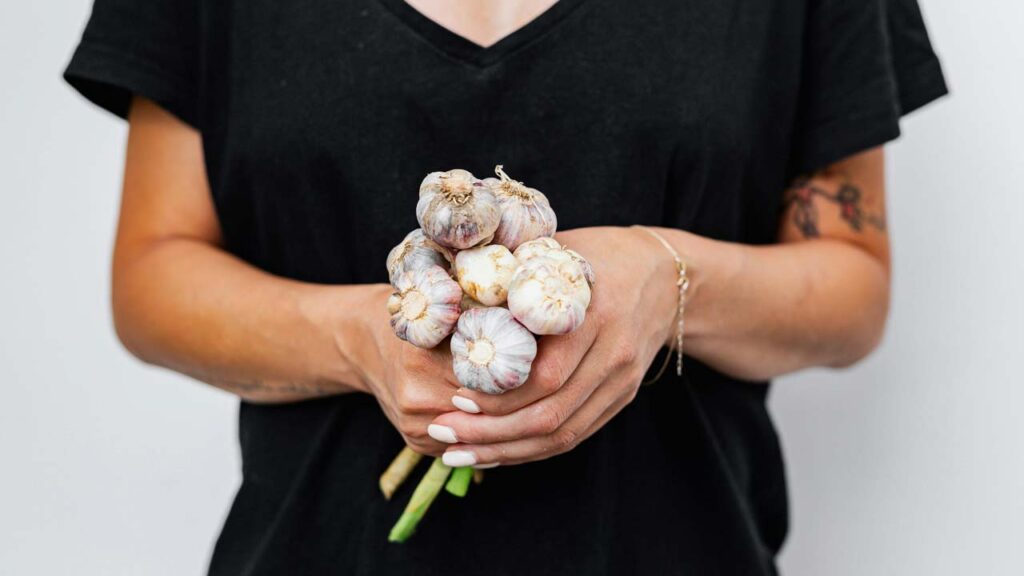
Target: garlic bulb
(485,272)
(531,248)
(414,252)
(550,294)
(491,352)
(526,213)
(550,247)
(425,306)
(456,210)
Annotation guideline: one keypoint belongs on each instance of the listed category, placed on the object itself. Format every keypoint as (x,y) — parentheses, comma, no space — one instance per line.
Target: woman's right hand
(412,385)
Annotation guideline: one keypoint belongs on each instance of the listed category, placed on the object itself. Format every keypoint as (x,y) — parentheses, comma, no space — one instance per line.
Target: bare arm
(182,302)
(819,298)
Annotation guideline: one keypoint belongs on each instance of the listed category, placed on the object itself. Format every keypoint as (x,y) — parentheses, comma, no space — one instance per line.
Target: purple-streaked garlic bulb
(551,247)
(414,252)
(526,213)
(425,306)
(456,210)
(549,294)
(491,352)
(485,273)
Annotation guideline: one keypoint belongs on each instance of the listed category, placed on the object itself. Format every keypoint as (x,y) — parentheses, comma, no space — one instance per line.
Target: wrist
(346,319)
(707,262)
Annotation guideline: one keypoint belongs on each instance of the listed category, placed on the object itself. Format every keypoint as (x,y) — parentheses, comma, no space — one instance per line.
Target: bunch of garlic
(484,251)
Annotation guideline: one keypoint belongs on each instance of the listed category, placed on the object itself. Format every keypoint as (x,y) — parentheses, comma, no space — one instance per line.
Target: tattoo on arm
(848,197)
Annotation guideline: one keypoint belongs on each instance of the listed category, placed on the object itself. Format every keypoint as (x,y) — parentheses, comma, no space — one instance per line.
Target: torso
(319,120)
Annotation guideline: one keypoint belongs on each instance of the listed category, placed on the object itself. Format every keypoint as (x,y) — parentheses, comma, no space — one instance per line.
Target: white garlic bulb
(485,273)
(532,248)
(456,210)
(425,306)
(550,247)
(549,294)
(414,252)
(491,352)
(526,213)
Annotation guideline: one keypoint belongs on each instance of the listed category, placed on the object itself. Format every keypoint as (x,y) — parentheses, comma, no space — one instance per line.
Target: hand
(412,385)
(578,382)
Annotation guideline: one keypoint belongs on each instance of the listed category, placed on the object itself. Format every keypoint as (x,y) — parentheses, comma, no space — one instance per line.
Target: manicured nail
(442,433)
(465,404)
(486,466)
(458,458)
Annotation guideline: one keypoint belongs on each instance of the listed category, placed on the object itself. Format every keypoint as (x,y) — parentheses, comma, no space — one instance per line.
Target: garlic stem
(458,482)
(424,495)
(398,471)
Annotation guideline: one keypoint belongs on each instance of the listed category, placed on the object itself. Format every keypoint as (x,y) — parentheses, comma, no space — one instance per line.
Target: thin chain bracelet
(683,283)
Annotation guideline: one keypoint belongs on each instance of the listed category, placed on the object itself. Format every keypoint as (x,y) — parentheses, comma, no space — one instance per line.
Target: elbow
(130,334)
(865,333)
(135,316)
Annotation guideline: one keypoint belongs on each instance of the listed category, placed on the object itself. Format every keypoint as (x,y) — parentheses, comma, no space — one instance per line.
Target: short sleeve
(866,64)
(148,48)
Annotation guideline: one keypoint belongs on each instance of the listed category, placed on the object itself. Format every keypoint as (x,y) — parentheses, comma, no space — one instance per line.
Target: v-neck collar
(461,48)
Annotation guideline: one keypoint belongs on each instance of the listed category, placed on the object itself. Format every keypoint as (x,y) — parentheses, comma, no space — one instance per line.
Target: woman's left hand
(581,380)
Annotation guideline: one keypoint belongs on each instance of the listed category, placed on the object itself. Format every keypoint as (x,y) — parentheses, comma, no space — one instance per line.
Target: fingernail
(442,433)
(465,404)
(458,458)
(486,466)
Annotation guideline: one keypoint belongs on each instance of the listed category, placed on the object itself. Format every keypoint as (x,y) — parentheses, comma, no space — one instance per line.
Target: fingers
(605,403)
(541,418)
(557,359)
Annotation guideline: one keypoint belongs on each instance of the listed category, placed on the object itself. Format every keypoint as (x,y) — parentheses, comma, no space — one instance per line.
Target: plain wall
(910,463)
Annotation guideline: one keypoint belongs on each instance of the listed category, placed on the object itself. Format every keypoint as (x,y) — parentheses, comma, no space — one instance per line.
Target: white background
(911,463)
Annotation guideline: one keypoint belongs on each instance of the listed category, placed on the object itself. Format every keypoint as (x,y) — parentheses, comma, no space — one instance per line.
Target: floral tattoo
(848,197)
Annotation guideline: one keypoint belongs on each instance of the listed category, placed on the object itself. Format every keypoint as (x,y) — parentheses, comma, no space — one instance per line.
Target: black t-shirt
(320,117)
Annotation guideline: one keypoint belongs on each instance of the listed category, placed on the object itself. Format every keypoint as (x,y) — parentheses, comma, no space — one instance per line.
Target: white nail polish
(465,404)
(442,433)
(458,458)
(486,466)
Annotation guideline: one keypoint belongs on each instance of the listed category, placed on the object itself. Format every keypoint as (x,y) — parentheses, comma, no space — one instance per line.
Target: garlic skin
(468,303)
(485,273)
(491,352)
(425,306)
(456,210)
(588,270)
(550,294)
(526,213)
(416,251)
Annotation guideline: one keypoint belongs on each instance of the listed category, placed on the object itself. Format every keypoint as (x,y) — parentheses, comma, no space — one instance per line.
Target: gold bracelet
(683,283)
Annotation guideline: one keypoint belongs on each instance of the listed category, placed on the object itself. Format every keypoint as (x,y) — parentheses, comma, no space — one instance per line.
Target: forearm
(756,312)
(188,306)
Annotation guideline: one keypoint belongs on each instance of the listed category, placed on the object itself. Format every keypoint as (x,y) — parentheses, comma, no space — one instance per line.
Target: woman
(273,159)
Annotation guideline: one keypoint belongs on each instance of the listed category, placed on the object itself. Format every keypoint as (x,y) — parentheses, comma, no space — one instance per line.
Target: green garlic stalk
(458,483)
(422,497)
